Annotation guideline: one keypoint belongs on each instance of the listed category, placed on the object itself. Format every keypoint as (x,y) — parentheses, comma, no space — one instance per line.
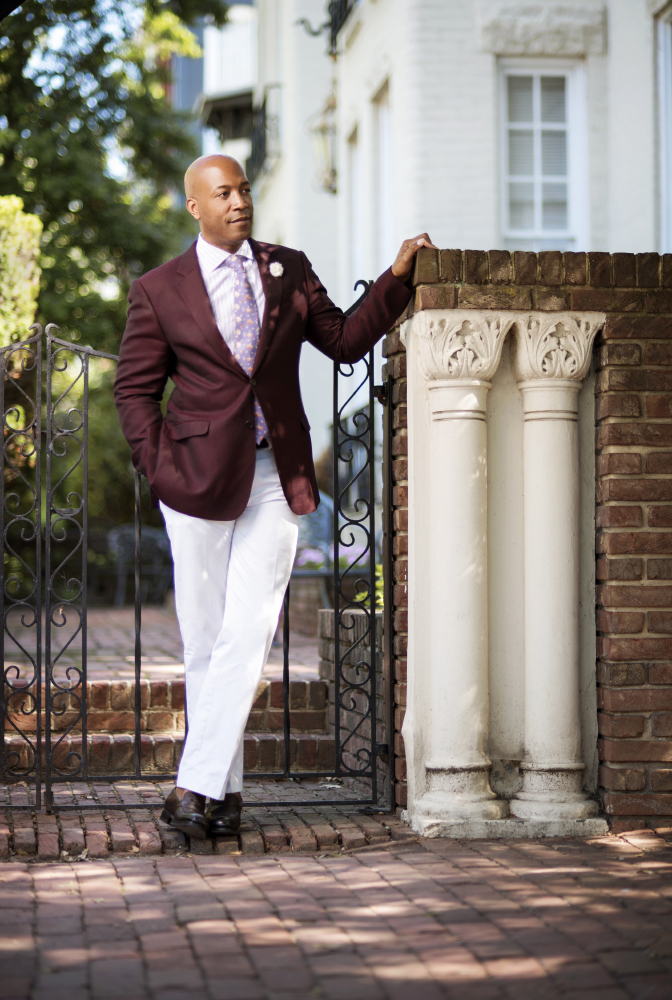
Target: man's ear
(192,208)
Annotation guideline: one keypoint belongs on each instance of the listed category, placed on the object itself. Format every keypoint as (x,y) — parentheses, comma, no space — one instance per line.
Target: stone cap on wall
(549,280)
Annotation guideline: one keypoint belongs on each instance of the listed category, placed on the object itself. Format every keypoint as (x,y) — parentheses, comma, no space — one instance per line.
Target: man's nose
(237,200)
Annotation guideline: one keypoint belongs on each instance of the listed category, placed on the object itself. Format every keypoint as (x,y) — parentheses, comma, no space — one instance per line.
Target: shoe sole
(191,829)
(218,832)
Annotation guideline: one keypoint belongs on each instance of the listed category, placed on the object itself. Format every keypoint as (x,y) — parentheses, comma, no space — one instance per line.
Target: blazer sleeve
(145,362)
(350,339)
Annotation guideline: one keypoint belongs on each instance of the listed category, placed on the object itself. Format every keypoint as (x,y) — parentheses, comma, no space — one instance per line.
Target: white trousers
(230,580)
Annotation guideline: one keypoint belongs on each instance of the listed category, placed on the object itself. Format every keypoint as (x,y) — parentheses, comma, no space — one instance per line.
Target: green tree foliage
(19,270)
(91,143)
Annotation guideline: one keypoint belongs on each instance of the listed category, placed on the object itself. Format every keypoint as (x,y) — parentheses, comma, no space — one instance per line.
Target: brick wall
(633,357)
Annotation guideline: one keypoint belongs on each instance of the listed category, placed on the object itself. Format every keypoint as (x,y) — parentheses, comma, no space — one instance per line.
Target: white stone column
(551,358)
(456,352)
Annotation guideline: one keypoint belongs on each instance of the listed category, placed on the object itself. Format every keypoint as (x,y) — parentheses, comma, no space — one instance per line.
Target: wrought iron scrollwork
(20,404)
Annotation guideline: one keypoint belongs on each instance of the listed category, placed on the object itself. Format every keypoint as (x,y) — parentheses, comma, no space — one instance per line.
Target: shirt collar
(210,257)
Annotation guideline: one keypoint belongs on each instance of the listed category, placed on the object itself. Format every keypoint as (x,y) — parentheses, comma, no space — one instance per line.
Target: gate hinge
(382,749)
(380,393)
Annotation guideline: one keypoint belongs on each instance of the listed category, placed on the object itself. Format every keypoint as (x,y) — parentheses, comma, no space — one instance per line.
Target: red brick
(400,418)
(525,267)
(626,779)
(426,270)
(633,649)
(660,621)
(400,445)
(98,694)
(550,267)
(623,462)
(435,297)
(666,270)
(619,517)
(661,725)
(645,542)
(400,795)
(476,267)
(400,471)
(661,517)
(620,569)
(620,621)
(648,270)
(550,299)
(617,826)
(400,520)
(661,781)
(123,838)
(599,268)
(634,750)
(401,621)
(451,265)
(620,726)
(659,407)
(634,380)
(637,328)
(618,405)
(634,699)
(660,673)
(615,353)
(479,297)
(625,275)
(500,267)
(177,695)
(621,674)
(575,268)
(24,835)
(636,489)
(659,461)
(658,301)
(659,569)
(606,300)
(638,805)
(400,545)
(649,435)
(47,838)
(658,354)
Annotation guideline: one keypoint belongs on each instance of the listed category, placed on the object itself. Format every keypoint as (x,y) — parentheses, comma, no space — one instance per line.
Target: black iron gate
(44,399)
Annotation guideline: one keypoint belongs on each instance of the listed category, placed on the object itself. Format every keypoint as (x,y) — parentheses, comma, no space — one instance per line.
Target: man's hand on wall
(403,265)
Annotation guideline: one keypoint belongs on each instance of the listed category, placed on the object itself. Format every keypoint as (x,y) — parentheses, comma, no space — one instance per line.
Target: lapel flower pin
(276,269)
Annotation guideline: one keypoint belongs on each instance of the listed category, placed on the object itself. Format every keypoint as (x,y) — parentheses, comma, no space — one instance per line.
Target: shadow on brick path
(479,920)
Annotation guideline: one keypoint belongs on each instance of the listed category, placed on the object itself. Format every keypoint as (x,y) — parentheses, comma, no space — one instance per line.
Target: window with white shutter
(543,150)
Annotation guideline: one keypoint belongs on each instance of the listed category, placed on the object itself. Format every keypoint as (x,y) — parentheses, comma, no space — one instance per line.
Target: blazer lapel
(192,289)
(273,294)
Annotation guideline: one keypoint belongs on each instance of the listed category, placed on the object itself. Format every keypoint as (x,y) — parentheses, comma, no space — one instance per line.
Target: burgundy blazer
(200,459)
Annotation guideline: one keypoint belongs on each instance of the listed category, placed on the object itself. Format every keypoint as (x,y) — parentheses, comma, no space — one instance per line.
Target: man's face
(221,199)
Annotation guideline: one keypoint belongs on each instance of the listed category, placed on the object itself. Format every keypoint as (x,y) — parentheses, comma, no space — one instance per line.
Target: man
(231,463)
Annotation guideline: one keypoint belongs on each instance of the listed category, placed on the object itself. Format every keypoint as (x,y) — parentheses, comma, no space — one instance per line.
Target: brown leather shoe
(225,814)
(186,813)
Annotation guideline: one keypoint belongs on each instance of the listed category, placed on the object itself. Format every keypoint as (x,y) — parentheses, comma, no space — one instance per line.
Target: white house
(488,123)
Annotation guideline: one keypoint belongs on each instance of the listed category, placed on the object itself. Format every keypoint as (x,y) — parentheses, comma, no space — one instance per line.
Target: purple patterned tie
(246,337)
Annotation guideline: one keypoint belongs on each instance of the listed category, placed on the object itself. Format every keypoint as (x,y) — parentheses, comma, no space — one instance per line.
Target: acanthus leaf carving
(554,345)
(460,343)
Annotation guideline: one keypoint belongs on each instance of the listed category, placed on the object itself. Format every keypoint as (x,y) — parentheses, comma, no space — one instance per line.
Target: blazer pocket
(187,429)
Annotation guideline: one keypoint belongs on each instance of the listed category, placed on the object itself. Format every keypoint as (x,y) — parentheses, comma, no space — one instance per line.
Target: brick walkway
(438,919)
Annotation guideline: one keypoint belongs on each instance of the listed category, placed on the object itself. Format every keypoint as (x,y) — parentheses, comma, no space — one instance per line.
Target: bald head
(219,196)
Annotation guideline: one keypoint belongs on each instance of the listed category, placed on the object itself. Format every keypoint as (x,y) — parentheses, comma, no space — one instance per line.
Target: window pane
(521,152)
(554,153)
(554,206)
(553,99)
(521,206)
(520,98)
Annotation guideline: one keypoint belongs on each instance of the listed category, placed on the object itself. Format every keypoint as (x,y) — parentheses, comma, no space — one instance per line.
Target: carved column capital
(554,345)
(460,343)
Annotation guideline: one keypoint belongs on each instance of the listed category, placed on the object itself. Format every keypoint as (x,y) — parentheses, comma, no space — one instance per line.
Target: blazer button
(253,381)
(249,423)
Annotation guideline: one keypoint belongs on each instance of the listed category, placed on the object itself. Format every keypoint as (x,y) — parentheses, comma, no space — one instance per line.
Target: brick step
(111,708)
(160,753)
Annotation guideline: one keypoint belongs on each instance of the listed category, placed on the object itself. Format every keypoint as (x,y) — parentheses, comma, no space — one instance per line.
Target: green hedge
(19,269)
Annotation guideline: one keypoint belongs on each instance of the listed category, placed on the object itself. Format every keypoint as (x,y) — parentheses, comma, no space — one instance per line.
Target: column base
(508,827)
(553,793)
(457,794)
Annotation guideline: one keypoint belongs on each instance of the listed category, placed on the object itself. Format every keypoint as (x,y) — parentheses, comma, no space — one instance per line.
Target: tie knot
(236,263)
